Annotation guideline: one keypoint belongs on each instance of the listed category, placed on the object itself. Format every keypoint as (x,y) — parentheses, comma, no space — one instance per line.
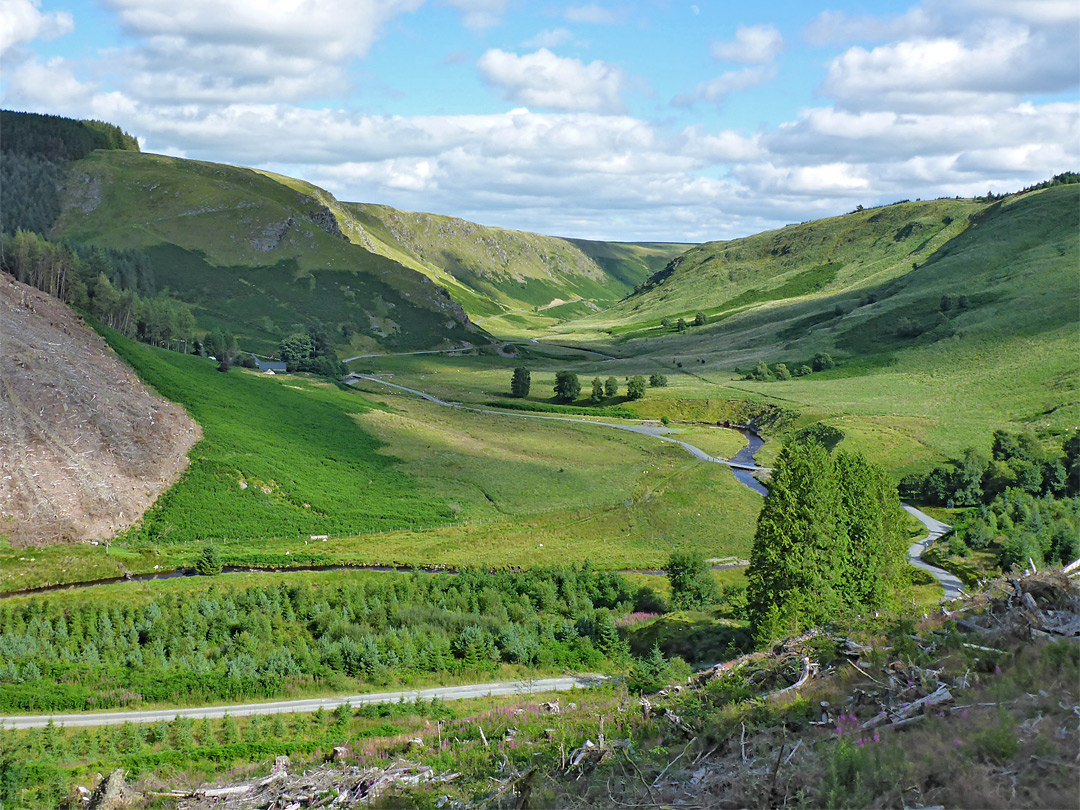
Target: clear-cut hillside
(85,447)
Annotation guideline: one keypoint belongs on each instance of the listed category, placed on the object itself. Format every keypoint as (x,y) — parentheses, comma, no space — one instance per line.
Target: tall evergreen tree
(869,509)
(521,382)
(829,541)
(796,552)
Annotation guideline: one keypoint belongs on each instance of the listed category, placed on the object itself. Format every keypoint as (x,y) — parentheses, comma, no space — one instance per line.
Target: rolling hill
(863,258)
(261,255)
(252,255)
(947,319)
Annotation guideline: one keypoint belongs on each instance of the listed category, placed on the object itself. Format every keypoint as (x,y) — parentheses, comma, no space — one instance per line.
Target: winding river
(743,465)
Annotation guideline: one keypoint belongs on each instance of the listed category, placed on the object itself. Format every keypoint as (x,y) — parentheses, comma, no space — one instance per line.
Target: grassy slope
(291,253)
(864,248)
(1006,360)
(513,270)
(279,457)
(409,483)
(251,254)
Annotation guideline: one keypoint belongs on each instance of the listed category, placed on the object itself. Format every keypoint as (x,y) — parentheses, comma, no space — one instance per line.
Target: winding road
(954,588)
(645,430)
(742,464)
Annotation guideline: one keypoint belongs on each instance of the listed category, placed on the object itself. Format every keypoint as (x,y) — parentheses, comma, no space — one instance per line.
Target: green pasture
(279,456)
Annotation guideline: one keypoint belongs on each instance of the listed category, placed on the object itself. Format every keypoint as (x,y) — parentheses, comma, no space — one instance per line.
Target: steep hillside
(252,255)
(511,269)
(825,256)
(490,271)
(85,448)
(260,254)
(872,281)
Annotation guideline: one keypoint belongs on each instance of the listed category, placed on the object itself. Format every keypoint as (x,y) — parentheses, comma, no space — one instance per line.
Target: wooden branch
(805,677)
(656,781)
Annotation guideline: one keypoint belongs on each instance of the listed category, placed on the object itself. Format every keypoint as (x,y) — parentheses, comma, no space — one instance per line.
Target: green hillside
(252,255)
(872,281)
(492,270)
(947,319)
(496,271)
(826,256)
(871,262)
(261,255)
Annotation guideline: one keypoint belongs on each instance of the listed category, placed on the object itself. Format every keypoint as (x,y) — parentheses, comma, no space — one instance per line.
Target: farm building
(273,366)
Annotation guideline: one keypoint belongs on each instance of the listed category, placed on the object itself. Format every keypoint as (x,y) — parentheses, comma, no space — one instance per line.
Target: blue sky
(647,120)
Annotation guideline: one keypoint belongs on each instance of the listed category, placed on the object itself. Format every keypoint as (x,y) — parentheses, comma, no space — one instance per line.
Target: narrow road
(935,528)
(306,704)
(954,588)
(404,354)
(645,430)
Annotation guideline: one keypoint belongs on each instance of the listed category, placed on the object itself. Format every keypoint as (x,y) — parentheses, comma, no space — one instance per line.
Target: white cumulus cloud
(45,86)
(22,21)
(259,50)
(753,45)
(542,79)
(950,73)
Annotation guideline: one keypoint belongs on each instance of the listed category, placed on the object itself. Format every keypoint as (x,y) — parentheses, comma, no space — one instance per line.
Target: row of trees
(567,386)
(830,542)
(57,138)
(763,372)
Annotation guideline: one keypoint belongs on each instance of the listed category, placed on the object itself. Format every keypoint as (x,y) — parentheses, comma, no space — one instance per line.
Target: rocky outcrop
(110,794)
(324,219)
(272,235)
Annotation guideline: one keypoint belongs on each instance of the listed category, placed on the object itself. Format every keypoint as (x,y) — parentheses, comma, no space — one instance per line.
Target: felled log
(910,710)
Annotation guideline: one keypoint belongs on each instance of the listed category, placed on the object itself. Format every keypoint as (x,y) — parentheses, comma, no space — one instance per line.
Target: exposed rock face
(110,793)
(271,236)
(85,447)
(324,218)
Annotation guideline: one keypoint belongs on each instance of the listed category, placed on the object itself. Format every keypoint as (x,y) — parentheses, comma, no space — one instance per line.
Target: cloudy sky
(632,120)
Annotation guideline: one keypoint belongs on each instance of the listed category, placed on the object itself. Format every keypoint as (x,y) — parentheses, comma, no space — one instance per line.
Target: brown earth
(85,447)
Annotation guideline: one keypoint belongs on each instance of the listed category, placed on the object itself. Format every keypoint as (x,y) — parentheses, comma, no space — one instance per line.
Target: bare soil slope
(85,447)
